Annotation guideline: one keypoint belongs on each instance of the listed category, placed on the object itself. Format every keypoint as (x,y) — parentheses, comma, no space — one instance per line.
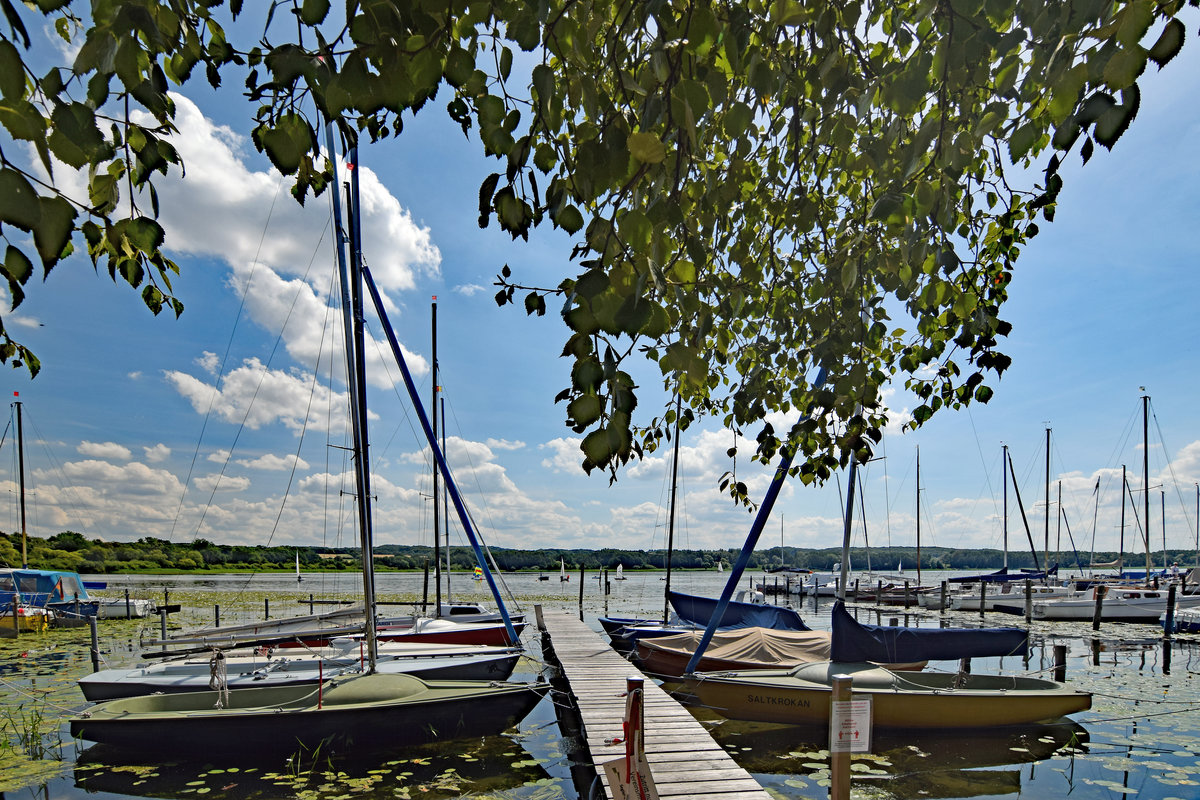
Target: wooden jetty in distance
(685,762)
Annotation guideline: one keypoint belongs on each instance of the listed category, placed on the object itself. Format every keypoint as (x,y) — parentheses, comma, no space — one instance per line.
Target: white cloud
(218,456)
(108,450)
(221,483)
(273,462)
(469,289)
(256,396)
(157,453)
(505,444)
(565,455)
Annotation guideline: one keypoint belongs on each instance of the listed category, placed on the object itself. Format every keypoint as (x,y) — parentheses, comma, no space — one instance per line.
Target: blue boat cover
(854,641)
(1004,576)
(699,610)
(42,587)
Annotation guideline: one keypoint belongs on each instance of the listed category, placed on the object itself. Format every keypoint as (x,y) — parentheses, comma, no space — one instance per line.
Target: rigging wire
(212,401)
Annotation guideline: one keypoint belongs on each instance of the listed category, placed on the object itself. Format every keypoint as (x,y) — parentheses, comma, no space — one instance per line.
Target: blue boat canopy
(854,641)
(699,610)
(39,587)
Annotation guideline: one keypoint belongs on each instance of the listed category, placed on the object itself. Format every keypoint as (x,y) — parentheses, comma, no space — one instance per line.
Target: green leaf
(22,119)
(17,268)
(585,409)
(12,72)
(287,143)
(1169,43)
(646,147)
(1124,67)
(53,231)
(569,219)
(75,139)
(18,201)
(313,12)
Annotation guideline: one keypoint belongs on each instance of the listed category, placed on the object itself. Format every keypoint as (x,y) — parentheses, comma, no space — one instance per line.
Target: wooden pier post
(1028,601)
(128,608)
(982,598)
(216,615)
(1100,590)
(1060,662)
(95,644)
(266,608)
(942,601)
(839,758)
(582,571)
(1169,622)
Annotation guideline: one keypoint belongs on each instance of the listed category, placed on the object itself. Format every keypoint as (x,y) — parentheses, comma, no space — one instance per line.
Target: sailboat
(37,596)
(898,699)
(298,577)
(400,709)
(562,571)
(620,572)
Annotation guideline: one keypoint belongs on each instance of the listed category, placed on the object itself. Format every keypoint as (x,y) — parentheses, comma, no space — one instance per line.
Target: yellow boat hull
(898,699)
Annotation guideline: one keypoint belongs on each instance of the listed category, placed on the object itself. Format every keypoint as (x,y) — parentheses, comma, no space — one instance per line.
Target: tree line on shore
(74,552)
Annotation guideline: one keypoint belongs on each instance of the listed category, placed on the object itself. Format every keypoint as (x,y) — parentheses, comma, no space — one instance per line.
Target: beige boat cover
(765,647)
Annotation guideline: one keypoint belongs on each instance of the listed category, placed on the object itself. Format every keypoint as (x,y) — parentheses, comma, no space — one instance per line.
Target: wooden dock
(685,762)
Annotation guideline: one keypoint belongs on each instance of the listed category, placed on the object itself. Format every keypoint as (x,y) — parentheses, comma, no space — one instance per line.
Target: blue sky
(135,426)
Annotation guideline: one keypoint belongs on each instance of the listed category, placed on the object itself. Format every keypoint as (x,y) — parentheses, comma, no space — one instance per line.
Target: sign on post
(850,726)
(629,776)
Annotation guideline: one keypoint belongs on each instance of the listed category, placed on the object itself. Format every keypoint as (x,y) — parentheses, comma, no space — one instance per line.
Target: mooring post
(1097,614)
(942,601)
(879,593)
(982,598)
(95,644)
(310,603)
(1060,662)
(906,604)
(839,757)
(856,588)
(582,573)
(266,608)
(162,621)
(1169,620)
(216,615)
(16,618)
(128,608)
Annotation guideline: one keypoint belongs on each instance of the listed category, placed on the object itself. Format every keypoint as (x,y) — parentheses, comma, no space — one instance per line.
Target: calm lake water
(1140,739)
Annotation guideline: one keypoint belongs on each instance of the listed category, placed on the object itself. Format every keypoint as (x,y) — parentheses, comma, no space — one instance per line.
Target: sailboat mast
(1004,469)
(845,571)
(1046,539)
(671,513)
(437,527)
(446,505)
(1121,549)
(918,516)
(21,472)
(1058,533)
(352,321)
(1146,475)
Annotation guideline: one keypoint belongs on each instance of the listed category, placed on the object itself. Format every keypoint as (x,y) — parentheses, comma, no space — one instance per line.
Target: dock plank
(685,762)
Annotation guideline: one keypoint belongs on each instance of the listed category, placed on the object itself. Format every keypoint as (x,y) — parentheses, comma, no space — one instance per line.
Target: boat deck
(685,762)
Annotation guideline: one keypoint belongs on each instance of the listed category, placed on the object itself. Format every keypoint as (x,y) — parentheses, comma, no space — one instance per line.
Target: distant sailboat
(562,571)
(720,566)
(478,574)
(620,572)
(298,577)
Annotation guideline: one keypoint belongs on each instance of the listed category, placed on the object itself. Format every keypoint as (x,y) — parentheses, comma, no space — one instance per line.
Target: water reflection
(946,764)
(445,770)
